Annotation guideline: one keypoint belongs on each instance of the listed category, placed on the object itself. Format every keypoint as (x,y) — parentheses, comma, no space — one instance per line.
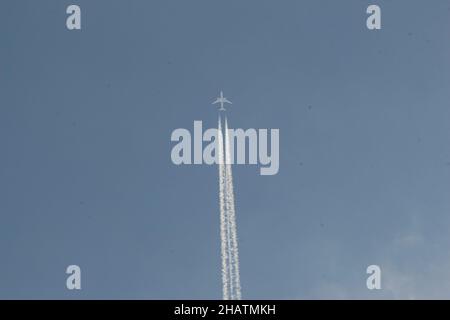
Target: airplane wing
(217,101)
(227,101)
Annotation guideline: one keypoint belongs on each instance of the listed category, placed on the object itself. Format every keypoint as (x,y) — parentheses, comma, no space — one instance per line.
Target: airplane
(222,100)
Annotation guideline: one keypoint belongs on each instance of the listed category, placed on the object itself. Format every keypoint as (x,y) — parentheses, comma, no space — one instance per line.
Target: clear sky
(86,176)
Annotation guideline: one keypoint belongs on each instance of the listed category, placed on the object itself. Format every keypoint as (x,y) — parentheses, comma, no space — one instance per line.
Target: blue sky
(85,170)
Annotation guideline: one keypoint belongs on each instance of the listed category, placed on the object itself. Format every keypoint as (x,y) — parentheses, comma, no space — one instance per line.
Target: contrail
(223,218)
(230,210)
(228,231)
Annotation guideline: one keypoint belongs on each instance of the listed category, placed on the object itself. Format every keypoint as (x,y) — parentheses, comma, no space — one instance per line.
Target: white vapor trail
(223,218)
(228,231)
(230,208)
